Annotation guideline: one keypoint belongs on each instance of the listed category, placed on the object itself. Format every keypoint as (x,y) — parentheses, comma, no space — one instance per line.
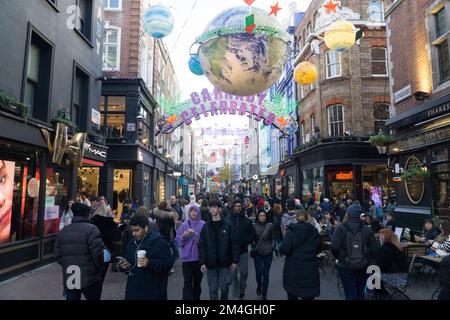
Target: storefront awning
(19,131)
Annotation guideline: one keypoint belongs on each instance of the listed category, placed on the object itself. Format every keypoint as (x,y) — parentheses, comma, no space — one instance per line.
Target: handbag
(253,250)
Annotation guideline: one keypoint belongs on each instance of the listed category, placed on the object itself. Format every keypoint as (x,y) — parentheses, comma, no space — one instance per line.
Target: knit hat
(238,200)
(354,212)
(81,210)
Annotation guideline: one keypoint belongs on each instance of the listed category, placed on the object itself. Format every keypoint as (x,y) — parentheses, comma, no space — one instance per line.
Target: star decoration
(274,9)
(249,2)
(330,6)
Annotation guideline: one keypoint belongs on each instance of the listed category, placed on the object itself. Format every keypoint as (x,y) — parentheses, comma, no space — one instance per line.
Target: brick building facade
(347,104)
(420,95)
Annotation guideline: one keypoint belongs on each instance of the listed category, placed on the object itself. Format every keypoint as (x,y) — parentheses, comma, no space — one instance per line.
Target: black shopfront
(343,168)
(422,140)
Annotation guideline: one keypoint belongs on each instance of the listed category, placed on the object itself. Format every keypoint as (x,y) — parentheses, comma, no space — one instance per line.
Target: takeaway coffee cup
(140,254)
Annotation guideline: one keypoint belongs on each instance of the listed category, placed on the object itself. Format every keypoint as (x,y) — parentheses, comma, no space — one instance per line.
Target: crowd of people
(217,236)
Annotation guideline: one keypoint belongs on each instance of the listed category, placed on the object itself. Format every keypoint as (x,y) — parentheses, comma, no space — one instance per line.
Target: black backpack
(356,257)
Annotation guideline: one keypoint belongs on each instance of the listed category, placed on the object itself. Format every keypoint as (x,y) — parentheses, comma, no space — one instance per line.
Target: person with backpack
(355,246)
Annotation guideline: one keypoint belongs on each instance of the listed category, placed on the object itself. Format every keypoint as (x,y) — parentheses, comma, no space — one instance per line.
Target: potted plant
(64,118)
(97,138)
(381,141)
(415,172)
(14,105)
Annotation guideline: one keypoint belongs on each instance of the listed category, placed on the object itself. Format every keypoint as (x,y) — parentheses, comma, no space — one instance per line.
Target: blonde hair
(390,237)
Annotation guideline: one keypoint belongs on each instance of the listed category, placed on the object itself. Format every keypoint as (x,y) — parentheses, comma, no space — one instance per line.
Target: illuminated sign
(344,175)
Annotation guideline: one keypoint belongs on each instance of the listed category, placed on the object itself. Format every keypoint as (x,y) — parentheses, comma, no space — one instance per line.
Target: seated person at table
(442,245)
(390,221)
(371,222)
(429,233)
(392,260)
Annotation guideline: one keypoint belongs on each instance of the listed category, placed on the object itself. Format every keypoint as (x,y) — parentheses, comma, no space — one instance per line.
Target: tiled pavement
(46,284)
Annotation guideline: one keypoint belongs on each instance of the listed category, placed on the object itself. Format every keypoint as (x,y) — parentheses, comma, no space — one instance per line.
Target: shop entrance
(340,182)
(122,190)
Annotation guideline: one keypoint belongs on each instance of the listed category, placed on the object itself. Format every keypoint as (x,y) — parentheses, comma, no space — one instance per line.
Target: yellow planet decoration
(305,73)
(340,35)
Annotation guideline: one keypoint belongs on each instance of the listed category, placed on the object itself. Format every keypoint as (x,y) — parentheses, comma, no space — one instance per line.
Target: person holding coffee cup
(148,260)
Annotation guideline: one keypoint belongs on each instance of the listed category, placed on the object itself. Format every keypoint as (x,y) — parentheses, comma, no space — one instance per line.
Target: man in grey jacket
(79,250)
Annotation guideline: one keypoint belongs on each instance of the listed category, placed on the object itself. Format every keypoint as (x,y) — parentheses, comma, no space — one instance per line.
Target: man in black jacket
(79,250)
(268,211)
(244,232)
(355,246)
(228,208)
(218,253)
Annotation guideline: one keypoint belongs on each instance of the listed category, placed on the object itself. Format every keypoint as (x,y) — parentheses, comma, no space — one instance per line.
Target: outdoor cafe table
(434,259)
(405,244)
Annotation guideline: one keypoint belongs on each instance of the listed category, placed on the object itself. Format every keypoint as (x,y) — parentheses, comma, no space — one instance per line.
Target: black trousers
(92,292)
(192,275)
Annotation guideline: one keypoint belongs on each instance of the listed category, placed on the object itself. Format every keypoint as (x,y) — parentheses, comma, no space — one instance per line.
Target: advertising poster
(6,197)
(377,196)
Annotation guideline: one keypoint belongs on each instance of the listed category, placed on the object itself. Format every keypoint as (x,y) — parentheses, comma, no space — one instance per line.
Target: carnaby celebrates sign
(215,103)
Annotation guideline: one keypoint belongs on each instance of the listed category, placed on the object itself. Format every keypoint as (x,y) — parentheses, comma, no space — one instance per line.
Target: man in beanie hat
(355,246)
(79,245)
(244,232)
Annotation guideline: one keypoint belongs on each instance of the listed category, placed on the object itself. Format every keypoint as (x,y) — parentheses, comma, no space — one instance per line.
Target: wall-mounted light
(421,95)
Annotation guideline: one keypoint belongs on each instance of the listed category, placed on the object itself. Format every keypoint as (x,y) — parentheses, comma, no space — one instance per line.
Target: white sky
(182,37)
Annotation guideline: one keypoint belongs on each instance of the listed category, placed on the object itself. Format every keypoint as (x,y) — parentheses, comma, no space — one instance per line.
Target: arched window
(376,11)
(336,126)
(381,113)
(111,48)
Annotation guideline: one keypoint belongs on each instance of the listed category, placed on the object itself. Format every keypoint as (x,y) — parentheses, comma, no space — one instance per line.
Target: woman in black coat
(301,268)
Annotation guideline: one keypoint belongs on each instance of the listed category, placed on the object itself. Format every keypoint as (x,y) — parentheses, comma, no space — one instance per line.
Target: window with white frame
(302,133)
(439,37)
(111,48)
(112,5)
(379,61)
(335,120)
(333,64)
(313,124)
(376,11)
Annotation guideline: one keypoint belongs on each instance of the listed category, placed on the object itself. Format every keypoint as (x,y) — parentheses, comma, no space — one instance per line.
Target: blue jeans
(354,282)
(175,251)
(219,278)
(262,268)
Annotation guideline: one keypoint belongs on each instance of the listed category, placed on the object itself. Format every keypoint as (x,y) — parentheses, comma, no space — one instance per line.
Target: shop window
(335,120)
(437,24)
(88,178)
(37,80)
(111,48)
(19,200)
(112,109)
(80,98)
(56,198)
(291,186)
(121,189)
(380,115)
(379,61)
(440,180)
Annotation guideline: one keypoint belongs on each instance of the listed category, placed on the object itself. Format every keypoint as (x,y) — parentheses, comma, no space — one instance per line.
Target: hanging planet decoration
(340,35)
(213,157)
(305,73)
(158,21)
(194,65)
(242,63)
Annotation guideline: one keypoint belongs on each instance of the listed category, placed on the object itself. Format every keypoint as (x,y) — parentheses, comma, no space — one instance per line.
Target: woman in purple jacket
(188,236)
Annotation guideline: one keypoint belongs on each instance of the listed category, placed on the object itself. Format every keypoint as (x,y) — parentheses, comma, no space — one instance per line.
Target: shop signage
(95,117)
(33,188)
(131,127)
(95,152)
(344,175)
(438,110)
(415,142)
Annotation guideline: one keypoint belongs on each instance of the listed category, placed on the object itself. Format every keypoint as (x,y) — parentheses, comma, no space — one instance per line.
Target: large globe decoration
(194,65)
(239,62)
(158,21)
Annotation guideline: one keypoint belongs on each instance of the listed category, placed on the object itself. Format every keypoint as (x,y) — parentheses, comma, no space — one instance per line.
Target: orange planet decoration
(172,119)
(281,121)
(305,73)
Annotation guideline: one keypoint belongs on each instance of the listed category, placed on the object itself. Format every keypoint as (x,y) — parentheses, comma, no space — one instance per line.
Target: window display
(55,198)
(6,198)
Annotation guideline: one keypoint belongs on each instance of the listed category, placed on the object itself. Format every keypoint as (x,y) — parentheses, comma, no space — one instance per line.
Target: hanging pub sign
(275,111)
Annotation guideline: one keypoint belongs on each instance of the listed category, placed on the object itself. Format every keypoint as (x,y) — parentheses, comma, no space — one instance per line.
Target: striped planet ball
(158,21)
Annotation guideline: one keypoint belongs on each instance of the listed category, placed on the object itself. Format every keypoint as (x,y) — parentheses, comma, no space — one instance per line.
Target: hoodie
(189,245)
